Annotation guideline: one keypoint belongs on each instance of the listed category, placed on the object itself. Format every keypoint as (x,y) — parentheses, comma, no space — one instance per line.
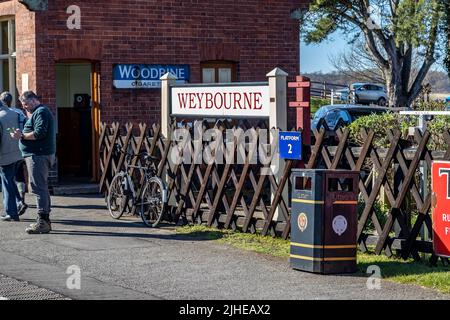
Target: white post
(167,81)
(278,116)
(332,96)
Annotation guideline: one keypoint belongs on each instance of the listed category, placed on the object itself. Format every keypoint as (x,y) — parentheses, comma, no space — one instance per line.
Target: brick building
(219,41)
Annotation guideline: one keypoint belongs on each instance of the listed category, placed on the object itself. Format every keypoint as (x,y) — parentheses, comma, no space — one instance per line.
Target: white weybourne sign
(221,101)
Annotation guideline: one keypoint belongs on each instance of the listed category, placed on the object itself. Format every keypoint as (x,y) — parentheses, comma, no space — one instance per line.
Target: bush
(381,211)
(380,123)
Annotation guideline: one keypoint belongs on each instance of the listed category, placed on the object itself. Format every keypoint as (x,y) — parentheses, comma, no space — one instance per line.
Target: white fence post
(167,81)
(278,117)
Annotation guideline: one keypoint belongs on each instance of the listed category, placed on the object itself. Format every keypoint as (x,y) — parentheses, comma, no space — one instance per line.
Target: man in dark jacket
(38,146)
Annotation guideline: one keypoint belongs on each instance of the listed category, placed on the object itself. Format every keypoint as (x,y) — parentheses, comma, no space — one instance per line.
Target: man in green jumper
(38,146)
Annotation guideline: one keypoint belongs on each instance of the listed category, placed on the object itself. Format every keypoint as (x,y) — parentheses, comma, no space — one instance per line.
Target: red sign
(440,185)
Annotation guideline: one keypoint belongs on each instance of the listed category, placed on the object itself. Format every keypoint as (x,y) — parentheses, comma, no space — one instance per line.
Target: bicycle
(153,201)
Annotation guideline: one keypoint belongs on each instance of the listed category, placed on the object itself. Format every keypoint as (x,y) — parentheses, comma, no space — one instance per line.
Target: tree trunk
(397,94)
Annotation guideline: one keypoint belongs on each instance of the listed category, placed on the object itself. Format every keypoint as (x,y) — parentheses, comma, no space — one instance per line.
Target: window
(218,72)
(8,56)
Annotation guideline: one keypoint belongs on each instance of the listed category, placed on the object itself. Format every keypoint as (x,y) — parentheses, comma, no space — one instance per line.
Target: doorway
(75,125)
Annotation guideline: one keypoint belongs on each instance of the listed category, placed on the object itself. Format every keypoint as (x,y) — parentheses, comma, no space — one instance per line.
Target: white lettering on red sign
(221,101)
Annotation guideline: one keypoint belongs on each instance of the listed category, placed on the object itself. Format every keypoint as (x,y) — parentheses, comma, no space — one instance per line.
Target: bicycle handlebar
(134,155)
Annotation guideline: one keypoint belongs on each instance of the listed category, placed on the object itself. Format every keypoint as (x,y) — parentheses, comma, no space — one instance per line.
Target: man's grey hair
(28,95)
(6,98)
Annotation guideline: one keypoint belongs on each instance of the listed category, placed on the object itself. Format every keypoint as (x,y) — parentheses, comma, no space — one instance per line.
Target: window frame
(11,55)
(217,65)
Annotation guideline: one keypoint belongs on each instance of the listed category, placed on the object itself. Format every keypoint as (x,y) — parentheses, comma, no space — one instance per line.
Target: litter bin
(324,220)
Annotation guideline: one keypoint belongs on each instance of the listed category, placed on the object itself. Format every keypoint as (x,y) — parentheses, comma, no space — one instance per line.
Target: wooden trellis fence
(233,195)
(226,194)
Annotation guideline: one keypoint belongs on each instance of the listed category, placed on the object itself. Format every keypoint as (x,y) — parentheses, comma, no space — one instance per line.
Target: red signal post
(303,105)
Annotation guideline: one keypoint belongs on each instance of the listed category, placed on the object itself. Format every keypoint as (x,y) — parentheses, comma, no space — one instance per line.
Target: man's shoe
(8,218)
(22,208)
(33,225)
(40,227)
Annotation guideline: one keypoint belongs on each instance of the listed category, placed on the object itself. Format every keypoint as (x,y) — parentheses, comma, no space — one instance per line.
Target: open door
(74,92)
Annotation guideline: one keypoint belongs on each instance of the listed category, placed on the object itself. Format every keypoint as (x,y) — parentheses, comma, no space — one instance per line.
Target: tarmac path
(91,256)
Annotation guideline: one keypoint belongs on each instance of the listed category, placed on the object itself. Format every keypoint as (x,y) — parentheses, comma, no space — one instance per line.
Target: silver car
(367,93)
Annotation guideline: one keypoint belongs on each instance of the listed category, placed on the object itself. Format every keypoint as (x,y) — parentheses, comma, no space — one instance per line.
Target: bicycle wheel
(153,202)
(117,199)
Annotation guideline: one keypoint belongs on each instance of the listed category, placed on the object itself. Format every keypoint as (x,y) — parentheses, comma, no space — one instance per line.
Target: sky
(316,58)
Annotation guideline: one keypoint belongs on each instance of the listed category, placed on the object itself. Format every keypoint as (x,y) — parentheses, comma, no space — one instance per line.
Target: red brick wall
(25,41)
(259,34)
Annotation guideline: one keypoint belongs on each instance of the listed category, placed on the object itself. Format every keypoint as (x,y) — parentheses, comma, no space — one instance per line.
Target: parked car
(368,93)
(339,115)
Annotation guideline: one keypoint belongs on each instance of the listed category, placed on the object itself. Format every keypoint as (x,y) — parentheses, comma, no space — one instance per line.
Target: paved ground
(125,260)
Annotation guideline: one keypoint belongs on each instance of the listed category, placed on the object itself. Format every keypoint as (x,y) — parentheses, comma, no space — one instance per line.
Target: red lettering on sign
(257,105)
(221,100)
(192,104)
(182,98)
(200,97)
(237,100)
(247,100)
(217,105)
(209,101)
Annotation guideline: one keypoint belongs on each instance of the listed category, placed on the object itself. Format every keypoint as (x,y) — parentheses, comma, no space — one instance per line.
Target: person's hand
(17,134)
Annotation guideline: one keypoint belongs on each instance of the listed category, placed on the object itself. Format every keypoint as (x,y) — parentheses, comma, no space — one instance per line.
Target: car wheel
(381,102)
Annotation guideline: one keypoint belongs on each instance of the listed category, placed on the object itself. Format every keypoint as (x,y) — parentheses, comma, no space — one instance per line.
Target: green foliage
(381,211)
(446,28)
(411,15)
(380,123)
(316,103)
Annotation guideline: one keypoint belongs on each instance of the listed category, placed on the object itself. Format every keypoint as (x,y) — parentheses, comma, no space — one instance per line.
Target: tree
(358,64)
(447,30)
(393,32)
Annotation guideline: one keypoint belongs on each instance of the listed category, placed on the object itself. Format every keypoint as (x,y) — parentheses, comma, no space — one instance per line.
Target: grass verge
(392,269)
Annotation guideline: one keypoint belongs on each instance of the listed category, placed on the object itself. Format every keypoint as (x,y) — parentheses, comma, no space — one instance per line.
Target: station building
(94,61)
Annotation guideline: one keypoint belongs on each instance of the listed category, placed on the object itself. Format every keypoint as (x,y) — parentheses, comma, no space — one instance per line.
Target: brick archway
(220,51)
(78,50)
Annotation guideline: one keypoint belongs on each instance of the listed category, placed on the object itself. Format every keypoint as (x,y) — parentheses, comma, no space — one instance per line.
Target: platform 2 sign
(290,145)
(440,185)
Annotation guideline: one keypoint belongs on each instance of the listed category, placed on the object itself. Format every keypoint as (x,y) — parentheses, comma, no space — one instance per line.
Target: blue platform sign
(146,76)
(290,145)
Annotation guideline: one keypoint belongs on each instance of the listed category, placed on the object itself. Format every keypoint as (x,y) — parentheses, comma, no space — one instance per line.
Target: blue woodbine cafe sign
(146,76)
